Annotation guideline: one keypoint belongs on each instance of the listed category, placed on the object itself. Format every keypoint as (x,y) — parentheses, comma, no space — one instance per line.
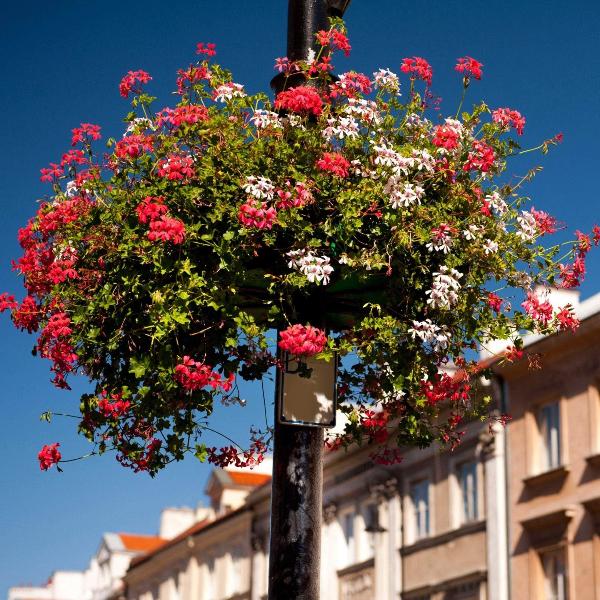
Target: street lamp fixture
(337,8)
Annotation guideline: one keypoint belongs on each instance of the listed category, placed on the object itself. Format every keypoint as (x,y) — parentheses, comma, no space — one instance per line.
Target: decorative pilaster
(328,581)
(492,450)
(384,495)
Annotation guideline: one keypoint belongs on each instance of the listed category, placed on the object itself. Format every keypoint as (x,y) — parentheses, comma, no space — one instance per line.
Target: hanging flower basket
(161,263)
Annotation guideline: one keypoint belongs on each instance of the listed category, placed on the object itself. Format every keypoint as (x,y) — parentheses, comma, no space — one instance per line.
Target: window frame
(348,515)
(554,552)
(462,517)
(536,444)
(414,514)
(548,417)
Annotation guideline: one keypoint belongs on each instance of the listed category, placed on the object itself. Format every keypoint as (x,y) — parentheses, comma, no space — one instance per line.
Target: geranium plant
(337,216)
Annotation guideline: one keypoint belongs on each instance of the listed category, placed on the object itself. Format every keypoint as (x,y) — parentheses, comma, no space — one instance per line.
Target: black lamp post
(296,497)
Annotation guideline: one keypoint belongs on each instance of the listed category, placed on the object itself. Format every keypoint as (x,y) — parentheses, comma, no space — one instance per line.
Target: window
(549,426)
(464,591)
(372,527)
(348,530)
(236,562)
(175,593)
(419,496)
(211,584)
(555,575)
(467,481)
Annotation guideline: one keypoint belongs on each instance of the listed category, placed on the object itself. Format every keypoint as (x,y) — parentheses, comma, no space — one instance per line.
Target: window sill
(547,476)
(239,596)
(593,460)
(356,567)
(444,538)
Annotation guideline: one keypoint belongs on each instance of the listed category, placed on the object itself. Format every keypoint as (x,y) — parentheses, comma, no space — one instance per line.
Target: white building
(62,585)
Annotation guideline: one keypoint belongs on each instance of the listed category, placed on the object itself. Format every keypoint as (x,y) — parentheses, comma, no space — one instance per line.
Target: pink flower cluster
(141,460)
(255,214)
(163,227)
(49,455)
(334,39)
(566,319)
(132,146)
(539,311)
(302,340)
(7,302)
(513,354)
(418,68)
(167,229)
(84,133)
(194,375)
(509,118)
(494,302)
(49,174)
(188,114)
(303,100)
(350,84)
(480,158)
(445,388)
(132,82)
(114,407)
(544,222)
(335,163)
(231,455)
(572,275)
(375,425)
(190,76)
(26,316)
(387,456)
(469,67)
(54,345)
(208,49)
(446,136)
(150,208)
(176,167)
(293,196)
(73,157)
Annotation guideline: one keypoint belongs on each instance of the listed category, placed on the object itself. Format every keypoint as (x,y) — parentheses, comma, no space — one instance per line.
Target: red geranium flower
(469,67)
(302,99)
(49,455)
(301,340)
(335,163)
(132,82)
(417,67)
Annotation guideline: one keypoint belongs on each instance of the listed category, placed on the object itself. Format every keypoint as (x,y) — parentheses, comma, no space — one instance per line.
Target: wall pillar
(496,513)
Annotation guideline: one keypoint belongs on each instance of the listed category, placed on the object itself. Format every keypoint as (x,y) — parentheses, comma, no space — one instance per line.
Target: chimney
(558,297)
(175,520)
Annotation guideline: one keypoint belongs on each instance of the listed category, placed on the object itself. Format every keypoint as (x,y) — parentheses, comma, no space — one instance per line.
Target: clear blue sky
(61,64)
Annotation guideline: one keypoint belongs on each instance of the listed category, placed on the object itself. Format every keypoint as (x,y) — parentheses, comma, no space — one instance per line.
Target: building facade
(554,457)
(511,514)
(421,529)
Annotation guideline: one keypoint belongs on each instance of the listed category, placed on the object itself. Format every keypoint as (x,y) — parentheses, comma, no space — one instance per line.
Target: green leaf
(201,452)
(138,367)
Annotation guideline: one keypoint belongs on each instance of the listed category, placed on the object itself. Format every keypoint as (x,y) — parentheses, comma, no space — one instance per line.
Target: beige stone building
(554,456)
(417,530)
(509,516)
(514,515)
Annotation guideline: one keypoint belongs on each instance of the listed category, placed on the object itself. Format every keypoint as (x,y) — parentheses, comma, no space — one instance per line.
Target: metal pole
(296,505)
(305,18)
(297,484)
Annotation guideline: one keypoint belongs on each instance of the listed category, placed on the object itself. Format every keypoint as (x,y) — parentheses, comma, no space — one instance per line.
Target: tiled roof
(248,478)
(140,543)
(194,529)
